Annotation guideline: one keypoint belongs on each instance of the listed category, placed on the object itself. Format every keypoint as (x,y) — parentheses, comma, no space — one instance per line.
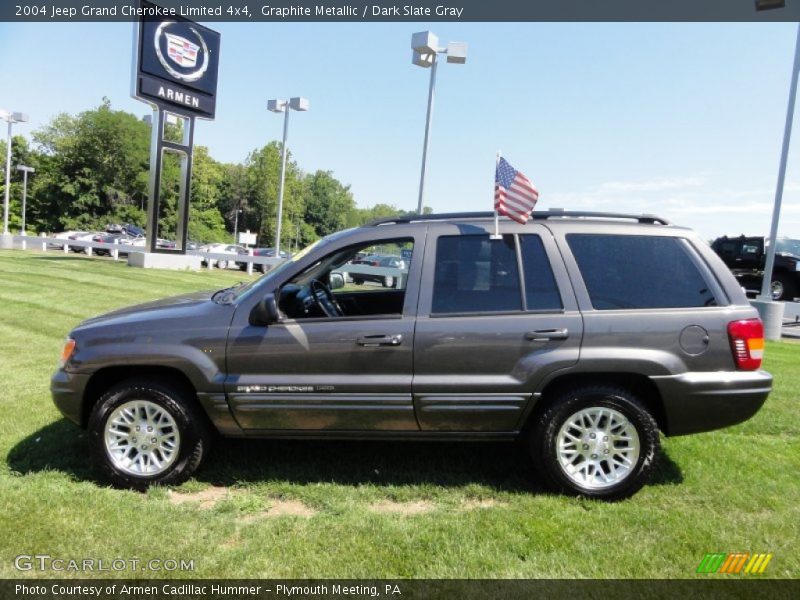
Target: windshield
(242,291)
(788,246)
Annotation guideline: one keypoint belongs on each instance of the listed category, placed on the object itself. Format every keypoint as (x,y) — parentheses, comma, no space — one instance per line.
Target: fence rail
(211,259)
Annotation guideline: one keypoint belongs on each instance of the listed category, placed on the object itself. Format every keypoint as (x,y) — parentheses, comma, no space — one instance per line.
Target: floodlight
(457,52)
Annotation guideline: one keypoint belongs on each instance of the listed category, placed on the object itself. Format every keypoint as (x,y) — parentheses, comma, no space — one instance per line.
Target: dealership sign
(176,65)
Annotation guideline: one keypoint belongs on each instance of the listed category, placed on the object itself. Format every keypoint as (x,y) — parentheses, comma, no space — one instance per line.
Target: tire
(111,415)
(783,287)
(580,469)
(222,264)
(388,281)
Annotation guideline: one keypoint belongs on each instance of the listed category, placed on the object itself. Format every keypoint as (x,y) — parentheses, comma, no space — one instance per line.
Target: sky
(682,120)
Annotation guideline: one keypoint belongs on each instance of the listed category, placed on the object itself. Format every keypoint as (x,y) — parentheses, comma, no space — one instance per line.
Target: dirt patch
(207,498)
(281,508)
(401,508)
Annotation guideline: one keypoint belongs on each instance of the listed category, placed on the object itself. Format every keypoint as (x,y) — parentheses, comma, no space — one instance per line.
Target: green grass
(478,512)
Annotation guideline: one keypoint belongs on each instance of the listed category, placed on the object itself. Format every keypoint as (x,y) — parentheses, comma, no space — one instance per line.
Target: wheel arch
(106,377)
(639,385)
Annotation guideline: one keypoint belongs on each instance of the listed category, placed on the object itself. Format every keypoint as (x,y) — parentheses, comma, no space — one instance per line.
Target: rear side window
(626,271)
(476,274)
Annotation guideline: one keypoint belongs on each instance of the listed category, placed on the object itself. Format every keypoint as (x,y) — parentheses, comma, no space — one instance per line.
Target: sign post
(175,63)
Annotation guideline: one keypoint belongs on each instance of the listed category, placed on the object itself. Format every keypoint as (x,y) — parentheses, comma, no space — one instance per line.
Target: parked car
(560,334)
(230,249)
(746,257)
(388,270)
(81,236)
(110,238)
(269,252)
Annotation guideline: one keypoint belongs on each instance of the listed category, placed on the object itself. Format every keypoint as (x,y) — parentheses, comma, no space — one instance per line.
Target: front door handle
(543,335)
(381,339)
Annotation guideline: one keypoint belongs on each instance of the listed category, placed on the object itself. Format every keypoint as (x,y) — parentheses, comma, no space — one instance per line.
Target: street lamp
(771,312)
(236,225)
(25,170)
(10,118)
(426,49)
(284,106)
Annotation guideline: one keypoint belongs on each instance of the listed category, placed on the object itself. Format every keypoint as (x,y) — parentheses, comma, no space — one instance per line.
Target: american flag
(514,194)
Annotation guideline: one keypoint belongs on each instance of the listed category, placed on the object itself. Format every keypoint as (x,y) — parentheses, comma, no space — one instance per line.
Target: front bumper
(67,391)
(704,401)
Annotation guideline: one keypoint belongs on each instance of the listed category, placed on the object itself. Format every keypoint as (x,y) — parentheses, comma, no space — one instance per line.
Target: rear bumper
(67,391)
(704,401)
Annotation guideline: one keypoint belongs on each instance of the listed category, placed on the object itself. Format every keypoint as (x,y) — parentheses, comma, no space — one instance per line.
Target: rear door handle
(543,335)
(381,339)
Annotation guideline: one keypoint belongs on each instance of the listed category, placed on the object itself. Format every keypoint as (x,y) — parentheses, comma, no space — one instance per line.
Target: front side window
(357,281)
(474,274)
(628,271)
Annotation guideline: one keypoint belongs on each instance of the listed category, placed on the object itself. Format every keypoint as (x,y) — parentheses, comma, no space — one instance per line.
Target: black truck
(746,257)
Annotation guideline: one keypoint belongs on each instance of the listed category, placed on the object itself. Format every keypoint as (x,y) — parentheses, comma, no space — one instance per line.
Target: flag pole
(496,235)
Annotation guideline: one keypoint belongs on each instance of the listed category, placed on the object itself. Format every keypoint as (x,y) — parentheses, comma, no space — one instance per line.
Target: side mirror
(336,281)
(265,312)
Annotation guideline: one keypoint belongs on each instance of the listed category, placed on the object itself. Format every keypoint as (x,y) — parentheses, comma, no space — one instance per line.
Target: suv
(559,333)
(746,257)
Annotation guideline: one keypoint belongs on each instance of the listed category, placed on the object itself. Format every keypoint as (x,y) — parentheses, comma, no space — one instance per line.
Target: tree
(328,203)
(94,169)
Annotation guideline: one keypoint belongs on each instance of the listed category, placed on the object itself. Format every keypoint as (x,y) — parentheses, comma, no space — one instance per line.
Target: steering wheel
(324,299)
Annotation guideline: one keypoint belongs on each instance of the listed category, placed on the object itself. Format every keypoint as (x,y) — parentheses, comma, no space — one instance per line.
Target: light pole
(10,118)
(236,225)
(426,49)
(771,312)
(25,170)
(284,106)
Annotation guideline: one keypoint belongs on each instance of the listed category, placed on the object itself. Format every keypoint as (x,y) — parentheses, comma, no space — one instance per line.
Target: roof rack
(540,215)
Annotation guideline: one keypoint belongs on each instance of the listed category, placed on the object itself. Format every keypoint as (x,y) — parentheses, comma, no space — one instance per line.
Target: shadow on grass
(61,446)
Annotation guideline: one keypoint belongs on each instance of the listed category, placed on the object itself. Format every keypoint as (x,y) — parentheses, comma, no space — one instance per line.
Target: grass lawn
(363,509)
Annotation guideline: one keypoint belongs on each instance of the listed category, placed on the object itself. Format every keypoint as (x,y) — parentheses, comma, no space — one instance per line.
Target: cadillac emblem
(181,60)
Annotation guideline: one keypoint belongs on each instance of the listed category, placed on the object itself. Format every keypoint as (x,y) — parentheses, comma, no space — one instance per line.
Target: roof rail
(536,215)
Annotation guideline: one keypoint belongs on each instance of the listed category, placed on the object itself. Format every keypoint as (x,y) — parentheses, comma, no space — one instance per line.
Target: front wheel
(388,281)
(222,264)
(597,442)
(143,433)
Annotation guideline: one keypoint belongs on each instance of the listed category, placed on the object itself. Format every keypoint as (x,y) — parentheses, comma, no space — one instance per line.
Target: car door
(499,317)
(336,374)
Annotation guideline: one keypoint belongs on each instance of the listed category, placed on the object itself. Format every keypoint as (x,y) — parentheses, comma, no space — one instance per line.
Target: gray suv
(582,334)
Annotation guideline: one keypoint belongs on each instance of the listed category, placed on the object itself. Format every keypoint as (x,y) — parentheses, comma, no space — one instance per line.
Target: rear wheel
(222,264)
(143,433)
(595,441)
(783,287)
(388,281)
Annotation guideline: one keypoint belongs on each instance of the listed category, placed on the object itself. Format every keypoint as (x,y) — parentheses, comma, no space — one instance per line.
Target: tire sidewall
(167,399)
(545,442)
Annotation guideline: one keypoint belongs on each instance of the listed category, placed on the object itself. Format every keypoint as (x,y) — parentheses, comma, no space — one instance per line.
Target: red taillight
(747,343)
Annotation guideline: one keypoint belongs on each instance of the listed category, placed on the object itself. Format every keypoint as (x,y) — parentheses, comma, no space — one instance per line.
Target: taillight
(747,343)
(69,348)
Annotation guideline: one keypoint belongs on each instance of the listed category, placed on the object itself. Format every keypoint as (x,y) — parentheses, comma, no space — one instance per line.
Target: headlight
(66,353)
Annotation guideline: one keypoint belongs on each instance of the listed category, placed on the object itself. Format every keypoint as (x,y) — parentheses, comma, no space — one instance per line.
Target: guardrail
(115,250)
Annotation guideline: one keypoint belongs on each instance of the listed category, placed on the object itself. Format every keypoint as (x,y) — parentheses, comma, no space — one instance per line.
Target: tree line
(92,170)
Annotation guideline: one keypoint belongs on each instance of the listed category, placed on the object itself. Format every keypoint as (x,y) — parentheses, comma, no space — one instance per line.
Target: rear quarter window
(629,272)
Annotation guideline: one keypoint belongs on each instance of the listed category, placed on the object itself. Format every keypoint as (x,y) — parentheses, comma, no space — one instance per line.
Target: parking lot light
(299,104)
(10,118)
(425,48)
(25,170)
